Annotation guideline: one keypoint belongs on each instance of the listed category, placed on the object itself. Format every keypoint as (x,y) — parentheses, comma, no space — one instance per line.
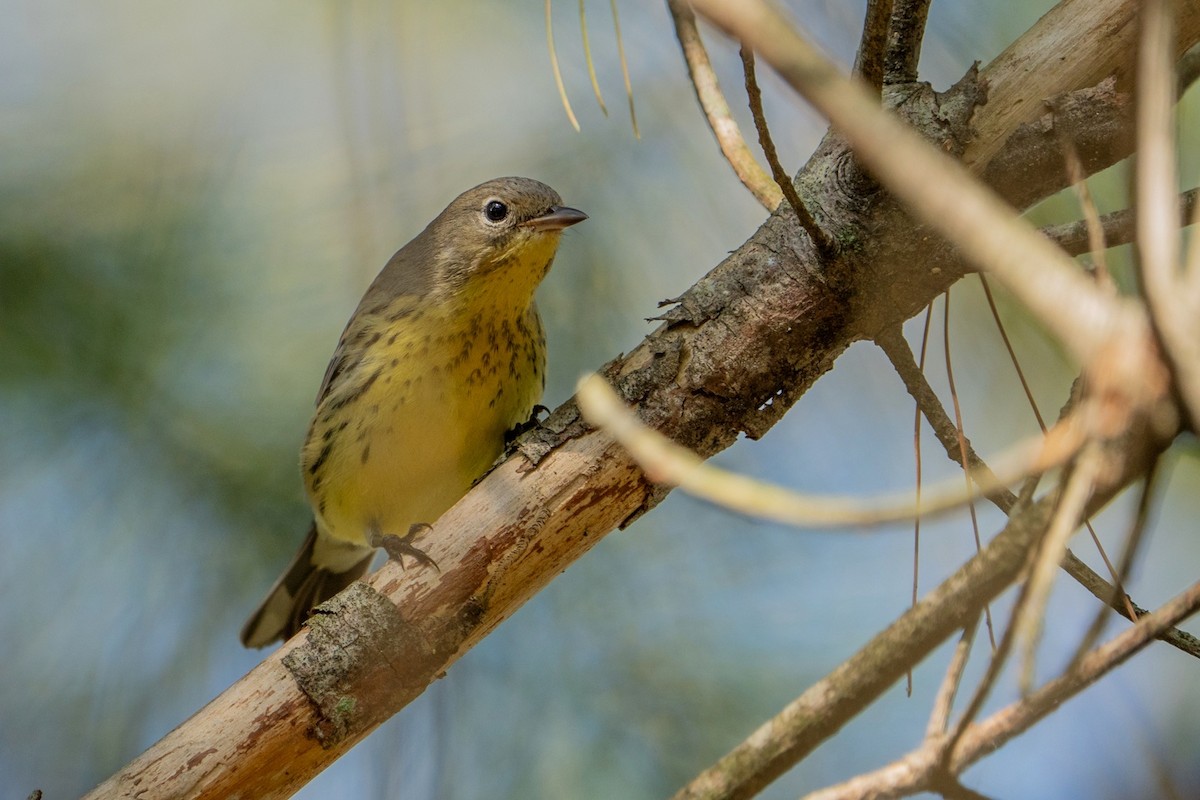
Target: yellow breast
(425,412)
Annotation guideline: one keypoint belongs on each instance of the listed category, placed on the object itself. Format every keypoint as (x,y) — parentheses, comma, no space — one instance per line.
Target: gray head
(496,223)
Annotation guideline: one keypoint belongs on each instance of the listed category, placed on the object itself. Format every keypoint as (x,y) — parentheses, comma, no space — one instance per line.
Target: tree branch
(938,189)
(1101,35)
(782,179)
(1120,227)
(904,41)
(869,62)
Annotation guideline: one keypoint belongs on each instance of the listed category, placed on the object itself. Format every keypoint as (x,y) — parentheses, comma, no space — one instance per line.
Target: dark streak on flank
(320,459)
(358,392)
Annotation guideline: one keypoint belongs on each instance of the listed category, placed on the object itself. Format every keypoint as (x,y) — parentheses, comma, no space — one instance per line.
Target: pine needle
(587,55)
(625,69)
(558,80)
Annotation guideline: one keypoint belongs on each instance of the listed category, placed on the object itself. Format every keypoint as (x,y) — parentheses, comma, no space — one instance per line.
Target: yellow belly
(441,391)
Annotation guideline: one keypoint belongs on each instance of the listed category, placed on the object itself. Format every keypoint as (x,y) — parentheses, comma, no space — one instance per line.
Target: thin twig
(1067,518)
(960,431)
(784,181)
(1103,591)
(1097,246)
(716,109)
(939,717)
(897,332)
(1172,314)
(872,47)
(1009,722)
(1033,405)
(1120,227)
(1133,542)
(896,348)
(664,461)
(828,704)
(1012,353)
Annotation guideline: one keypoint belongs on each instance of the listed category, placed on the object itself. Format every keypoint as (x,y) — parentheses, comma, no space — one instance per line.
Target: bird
(443,358)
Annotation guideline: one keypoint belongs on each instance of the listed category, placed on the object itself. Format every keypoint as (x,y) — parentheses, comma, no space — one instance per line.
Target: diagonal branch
(782,179)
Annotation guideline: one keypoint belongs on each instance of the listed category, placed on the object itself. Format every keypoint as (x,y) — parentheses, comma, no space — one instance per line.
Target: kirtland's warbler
(444,355)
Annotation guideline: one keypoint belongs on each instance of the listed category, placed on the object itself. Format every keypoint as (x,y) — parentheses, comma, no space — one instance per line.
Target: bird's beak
(557,218)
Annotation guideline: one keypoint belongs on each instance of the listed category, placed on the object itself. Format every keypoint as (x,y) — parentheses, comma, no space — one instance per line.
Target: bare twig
(1174,319)
(897,333)
(939,717)
(1120,574)
(831,702)
(716,109)
(1103,591)
(1009,722)
(904,41)
(784,181)
(666,462)
(961,435)
(1033,406)
(1067,518)
(869,63)
(1097,246)
(1119,227)
(895,347)
(892,342)
(1012,353)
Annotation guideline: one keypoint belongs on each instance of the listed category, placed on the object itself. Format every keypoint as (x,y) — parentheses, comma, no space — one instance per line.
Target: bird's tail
(300,588)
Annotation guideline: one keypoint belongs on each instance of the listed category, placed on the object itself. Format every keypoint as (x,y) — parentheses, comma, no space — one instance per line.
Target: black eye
(495,210)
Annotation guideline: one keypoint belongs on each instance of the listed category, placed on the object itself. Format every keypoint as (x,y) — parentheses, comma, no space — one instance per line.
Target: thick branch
(1100,35)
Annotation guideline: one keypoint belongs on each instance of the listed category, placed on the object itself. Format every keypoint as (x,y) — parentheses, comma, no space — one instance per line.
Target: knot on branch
(358,650)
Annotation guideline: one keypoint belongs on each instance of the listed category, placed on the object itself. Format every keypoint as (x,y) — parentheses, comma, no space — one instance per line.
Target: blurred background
(193,198)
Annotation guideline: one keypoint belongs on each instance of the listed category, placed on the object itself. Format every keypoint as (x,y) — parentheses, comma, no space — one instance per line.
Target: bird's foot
(398,547)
